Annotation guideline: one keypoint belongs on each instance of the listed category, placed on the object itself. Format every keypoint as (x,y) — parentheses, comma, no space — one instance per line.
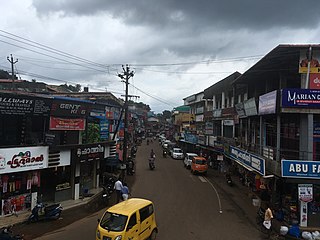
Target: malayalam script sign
(300,169)
(23,159)
(252,161)
(65,124)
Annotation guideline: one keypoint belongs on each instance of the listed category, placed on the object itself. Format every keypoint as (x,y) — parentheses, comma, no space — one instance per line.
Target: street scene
(154,119)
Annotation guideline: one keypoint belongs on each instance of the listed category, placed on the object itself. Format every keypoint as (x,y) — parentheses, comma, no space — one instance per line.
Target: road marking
(202,179)
(220,207)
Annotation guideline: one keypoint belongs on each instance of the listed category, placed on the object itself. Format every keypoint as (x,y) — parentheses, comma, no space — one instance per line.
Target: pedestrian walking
(267,217)
(118,187)
(125,192)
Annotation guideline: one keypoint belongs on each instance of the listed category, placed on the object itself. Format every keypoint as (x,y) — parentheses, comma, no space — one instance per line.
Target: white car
(188,159)
(177,153)
(166,143)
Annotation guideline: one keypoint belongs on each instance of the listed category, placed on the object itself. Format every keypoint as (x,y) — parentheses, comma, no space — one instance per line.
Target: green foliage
(93,133)
(76,88)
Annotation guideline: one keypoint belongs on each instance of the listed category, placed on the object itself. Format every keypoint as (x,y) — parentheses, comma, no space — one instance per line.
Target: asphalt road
(187,206)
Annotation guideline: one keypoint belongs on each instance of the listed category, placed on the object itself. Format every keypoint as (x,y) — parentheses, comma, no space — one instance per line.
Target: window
(145,212)
(132,221)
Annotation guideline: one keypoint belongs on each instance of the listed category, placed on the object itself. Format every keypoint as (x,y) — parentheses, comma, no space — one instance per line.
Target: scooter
(151,163)
(7,234)
(44,212)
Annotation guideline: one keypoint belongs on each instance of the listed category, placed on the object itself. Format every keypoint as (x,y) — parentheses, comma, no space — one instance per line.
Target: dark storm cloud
(196,15)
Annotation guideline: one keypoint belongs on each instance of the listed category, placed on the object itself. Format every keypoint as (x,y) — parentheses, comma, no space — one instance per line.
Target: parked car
(188,159)
(199,165)
(177,153)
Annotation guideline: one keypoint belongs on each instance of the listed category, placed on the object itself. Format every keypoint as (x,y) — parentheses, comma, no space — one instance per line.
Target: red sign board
(66,124)
(314,80)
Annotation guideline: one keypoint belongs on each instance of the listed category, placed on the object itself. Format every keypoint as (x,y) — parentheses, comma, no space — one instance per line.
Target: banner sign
(252,161)
(89,152)
(305,98)
(66,124)
(20,105)
(300,169)
(23,159)
(64,108)
(191,138)
(305,192)
(267,103)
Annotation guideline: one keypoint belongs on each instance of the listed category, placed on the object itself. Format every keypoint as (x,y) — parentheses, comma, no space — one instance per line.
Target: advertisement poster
(65,124)
(314,61)
(305,192)
(23,159)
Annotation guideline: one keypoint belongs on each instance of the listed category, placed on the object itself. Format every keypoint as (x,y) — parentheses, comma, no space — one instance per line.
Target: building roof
(182,109)
(223,84)
(282,59)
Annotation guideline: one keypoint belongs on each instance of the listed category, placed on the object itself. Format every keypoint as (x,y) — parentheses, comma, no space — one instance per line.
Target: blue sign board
(306,98)
(191,138)
(300,169)
(104,129)
(250,160)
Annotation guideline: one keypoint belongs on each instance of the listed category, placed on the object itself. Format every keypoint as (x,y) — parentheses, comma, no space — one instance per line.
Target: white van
(188,159)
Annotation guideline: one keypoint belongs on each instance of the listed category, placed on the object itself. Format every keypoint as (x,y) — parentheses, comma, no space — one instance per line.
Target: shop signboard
(24,105)
(191,138)
(65,108)
(209,128)
(104,129)
(240,109)
(305,192)
(23,159)
(300,169)
(89,152)
(300,98)
(314,80)
(250,107)
(64,124)
(267,103)
(250,160)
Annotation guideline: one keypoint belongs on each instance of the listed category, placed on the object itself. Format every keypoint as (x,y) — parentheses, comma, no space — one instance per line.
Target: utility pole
(12,69)
(125,76)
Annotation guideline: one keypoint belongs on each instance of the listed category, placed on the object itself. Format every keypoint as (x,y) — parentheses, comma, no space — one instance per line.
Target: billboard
(250,107)
(314,61)
(268,103)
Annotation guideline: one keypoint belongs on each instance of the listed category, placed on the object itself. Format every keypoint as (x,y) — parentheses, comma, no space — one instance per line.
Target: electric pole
(12,69)
(125,76)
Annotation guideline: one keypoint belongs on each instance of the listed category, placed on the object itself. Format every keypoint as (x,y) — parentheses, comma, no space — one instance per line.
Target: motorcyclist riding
(152,159)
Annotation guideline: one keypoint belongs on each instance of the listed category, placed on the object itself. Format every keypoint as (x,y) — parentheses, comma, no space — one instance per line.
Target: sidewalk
(241,196)
(68,204)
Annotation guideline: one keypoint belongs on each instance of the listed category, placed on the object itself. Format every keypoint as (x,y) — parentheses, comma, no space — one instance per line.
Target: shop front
(86,163)
(20,177)
(301,197)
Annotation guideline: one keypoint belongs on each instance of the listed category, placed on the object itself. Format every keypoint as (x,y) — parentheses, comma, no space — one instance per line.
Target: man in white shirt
(118,187)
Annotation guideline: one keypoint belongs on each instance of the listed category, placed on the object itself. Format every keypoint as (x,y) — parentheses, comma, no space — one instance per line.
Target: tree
(166,114)
(76,88)
(4,74)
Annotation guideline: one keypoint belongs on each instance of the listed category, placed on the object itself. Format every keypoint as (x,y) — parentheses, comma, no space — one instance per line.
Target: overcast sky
(176,48)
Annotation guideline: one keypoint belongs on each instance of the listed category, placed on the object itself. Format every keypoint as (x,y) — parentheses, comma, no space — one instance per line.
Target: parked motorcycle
(6,233)
(43,212)
(108,188)
(151,163)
